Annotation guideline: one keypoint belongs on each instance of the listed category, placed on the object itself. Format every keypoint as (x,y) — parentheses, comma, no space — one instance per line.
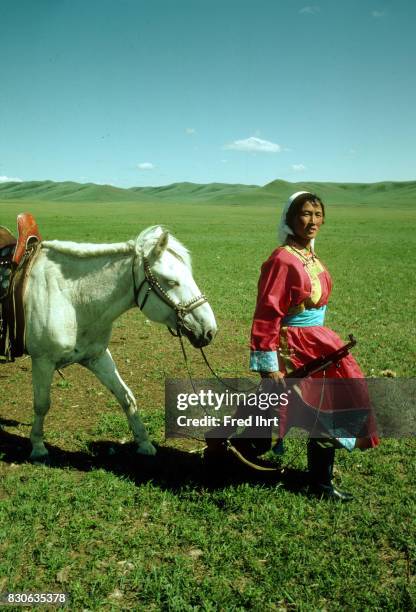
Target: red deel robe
(292,281)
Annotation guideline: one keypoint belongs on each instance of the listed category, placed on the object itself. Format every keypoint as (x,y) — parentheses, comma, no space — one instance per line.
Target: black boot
(320,464)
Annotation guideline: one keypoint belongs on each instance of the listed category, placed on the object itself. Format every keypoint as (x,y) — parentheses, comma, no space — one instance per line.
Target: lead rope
(230,447)
(185,358)
(220,379)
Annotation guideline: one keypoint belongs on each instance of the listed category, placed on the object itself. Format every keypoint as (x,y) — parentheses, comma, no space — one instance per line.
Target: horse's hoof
(40,459)
(146,448)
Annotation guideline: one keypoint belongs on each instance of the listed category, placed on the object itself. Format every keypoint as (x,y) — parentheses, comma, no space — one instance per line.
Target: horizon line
(112,185)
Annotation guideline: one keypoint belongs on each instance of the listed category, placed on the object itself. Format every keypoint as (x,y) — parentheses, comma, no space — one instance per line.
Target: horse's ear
(160,245)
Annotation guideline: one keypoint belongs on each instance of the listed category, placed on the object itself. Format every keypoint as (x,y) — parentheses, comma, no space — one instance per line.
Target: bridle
(181,309)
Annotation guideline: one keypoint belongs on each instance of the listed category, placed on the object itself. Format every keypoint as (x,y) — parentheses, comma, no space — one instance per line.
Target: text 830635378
(29,599)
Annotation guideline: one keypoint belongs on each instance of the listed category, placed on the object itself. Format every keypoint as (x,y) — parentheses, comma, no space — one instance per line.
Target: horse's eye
(173,283)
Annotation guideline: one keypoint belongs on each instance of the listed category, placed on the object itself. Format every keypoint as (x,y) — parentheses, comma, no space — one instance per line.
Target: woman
(288,325)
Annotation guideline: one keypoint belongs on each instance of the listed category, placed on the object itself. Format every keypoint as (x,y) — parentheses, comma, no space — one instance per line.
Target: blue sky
(150,92)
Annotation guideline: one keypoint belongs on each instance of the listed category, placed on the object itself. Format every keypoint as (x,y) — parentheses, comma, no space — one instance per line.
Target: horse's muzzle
(201,340)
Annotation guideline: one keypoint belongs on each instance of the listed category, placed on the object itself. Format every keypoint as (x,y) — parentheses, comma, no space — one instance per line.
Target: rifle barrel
(321,363)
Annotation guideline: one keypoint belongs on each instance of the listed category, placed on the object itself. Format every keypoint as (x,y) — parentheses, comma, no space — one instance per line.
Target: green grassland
(118,531)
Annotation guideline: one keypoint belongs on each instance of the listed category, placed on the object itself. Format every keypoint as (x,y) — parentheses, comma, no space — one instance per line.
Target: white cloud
(309,10)
(298,167)
(254,144)
(7,179)
(190,131)
(146,166)
(378,14)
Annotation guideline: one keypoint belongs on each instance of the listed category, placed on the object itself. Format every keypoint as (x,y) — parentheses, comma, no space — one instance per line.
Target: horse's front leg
(42,374)
(105,370)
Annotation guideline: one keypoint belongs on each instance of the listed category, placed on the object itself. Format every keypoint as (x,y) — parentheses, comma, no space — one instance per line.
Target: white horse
(75,292)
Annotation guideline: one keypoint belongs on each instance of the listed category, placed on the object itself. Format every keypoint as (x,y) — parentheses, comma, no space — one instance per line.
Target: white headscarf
(283,230)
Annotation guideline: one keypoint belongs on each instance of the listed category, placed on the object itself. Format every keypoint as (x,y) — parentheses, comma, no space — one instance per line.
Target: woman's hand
(277,376)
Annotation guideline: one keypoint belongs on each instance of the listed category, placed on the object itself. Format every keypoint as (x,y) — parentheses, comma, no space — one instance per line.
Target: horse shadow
(170,469)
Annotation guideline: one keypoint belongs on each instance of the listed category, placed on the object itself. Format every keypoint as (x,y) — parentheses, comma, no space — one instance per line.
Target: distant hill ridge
(383,193)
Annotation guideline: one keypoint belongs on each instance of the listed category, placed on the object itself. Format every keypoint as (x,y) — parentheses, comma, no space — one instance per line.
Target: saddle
(17,256)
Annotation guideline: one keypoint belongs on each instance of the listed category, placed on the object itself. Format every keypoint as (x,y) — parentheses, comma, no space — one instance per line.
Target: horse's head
(166,290)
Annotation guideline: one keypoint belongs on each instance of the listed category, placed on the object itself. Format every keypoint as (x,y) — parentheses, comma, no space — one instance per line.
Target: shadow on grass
(171,468)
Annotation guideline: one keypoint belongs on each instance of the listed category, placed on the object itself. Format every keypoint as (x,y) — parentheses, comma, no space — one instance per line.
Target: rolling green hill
(89,192)
(383,194)
(194,191)
(65,191)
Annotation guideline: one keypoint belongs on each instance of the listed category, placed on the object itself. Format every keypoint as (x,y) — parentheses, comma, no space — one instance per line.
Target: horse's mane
(143,244)
(86,249)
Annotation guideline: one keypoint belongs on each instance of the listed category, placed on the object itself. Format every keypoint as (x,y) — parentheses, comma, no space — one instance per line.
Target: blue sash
(308,318)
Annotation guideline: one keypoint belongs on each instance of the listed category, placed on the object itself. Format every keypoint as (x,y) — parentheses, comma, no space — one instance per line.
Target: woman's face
(307,222)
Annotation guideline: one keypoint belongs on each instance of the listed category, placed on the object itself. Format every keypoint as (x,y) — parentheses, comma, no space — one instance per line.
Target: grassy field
(118,531)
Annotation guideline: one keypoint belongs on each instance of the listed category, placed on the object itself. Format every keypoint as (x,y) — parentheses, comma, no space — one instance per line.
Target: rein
(229,445)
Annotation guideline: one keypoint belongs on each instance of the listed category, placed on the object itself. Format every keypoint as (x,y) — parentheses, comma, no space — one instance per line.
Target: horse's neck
(116,287)
(102,286)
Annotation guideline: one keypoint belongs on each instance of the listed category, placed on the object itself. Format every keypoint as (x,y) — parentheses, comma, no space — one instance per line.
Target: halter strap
(181,308)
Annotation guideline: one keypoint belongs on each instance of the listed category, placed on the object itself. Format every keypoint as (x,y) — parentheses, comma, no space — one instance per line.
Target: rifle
(323,362)
(227,443)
